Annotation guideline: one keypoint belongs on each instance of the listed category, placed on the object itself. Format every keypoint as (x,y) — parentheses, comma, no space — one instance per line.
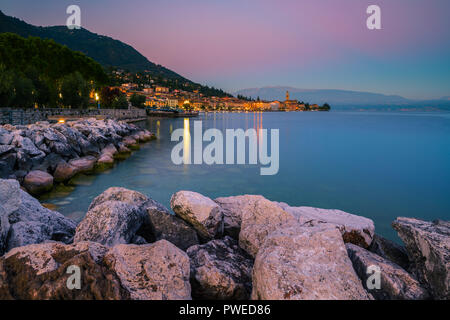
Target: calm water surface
(379,165)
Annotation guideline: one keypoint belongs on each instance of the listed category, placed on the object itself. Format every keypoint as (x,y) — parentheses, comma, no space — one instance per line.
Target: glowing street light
(97,98)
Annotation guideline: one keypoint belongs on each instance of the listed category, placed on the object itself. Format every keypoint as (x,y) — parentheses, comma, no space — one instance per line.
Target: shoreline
(236,247)
(41,155)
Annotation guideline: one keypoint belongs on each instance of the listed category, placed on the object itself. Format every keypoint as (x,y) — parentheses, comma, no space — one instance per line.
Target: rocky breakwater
(41,154)
(244,247)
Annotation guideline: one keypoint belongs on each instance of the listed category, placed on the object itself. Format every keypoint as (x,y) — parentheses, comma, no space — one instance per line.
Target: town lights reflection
(186,142)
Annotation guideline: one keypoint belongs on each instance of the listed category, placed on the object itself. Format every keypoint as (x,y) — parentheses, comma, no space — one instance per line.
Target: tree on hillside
(137,100)
(74,91)
(120,102)
(23,92)
(108,96)
(6,87)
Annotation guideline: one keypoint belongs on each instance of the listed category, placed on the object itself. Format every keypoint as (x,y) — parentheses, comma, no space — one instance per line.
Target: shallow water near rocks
(376,164)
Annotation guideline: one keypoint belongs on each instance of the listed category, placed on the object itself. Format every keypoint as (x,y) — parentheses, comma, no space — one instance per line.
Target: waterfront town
(160,97)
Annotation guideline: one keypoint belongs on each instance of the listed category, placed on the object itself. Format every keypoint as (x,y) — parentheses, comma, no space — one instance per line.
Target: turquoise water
(379,165)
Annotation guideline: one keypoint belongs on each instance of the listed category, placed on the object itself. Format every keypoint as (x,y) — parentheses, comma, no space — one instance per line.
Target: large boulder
(104,161)
(26,145)
(111,223)
(164,225)
(158,271)
(220,270)
(233,208)
(37,182)
(110,149)
(5,149)
(120,194)
(305,263)
(395,282)
(40,272)
(355,229)
(64,171)
(6,137)
(199,211)
(27,221)
(158,224)
(259,218)
(84,164)
(428,246)
(390,251)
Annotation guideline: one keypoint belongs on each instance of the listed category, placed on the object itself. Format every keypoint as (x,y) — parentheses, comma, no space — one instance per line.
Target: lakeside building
(290,105)
(162,97)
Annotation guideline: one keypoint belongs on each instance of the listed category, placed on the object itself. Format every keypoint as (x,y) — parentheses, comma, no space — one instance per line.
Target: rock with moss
(38,182)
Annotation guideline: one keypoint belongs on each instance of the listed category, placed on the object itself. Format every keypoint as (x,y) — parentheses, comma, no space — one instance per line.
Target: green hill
(105,50)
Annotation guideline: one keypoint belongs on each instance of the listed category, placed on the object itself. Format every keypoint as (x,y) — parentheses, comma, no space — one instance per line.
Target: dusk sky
(311,44)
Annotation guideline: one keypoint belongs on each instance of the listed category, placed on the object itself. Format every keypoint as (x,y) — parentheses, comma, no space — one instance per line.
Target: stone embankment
(129,246)
(42,154)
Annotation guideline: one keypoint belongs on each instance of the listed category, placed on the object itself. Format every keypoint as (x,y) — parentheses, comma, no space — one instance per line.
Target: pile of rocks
(128,246)
(40,154)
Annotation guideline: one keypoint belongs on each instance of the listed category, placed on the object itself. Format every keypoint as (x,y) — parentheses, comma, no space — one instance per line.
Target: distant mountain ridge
(343,98)
(103,49)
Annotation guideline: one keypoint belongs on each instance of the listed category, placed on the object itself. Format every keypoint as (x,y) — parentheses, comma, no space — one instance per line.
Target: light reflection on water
(380,165)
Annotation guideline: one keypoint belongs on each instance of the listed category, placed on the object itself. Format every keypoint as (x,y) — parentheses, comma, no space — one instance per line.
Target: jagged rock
(5,170)
(158,271)
(39,272)
(233,208)
(7,163)
(390,251)
(6,138)
(36,223)
(23,160)
(37,182)
(199,211)
(355,229)
(4,229)
(305,263)
(63,149)
(159,223)
(164,225)
(87,148)
(64,171)
(220,270)
(44,148)
(110,149)
(26,144)
(259,218)
(84,164)
(23,233)
(111,223)
(395,282)
(5,149)
(49,163)
(428,247)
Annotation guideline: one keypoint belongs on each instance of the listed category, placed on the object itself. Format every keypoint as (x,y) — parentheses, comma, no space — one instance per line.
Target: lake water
(378,165)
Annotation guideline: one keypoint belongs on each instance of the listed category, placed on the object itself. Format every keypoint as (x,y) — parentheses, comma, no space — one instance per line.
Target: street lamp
(98,100)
